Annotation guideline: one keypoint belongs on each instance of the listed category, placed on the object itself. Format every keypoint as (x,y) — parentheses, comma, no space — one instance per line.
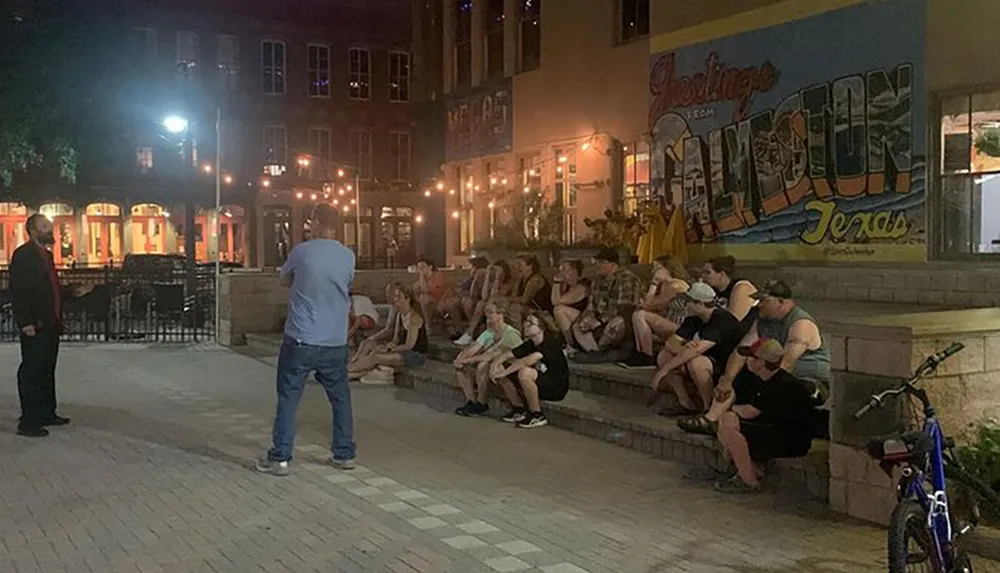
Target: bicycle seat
(903,448)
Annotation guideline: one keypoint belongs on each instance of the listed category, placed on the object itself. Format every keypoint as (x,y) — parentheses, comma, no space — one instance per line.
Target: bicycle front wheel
(911,547)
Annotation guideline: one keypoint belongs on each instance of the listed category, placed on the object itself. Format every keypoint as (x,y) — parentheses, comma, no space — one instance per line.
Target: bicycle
(926,460)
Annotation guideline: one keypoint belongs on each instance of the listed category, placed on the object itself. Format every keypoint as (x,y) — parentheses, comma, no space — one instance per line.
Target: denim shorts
(412,358)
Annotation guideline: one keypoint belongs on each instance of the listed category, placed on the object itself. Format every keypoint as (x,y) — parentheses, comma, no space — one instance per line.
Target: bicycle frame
(935,503)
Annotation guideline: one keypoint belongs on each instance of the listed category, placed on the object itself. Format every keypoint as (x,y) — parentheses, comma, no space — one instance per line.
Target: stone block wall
(953,285)
(254,301)
(876,354)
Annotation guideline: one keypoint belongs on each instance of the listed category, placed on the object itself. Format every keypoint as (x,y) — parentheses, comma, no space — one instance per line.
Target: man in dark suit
(37,300)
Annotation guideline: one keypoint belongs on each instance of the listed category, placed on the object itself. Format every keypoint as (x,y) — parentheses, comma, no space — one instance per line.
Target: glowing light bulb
(266,183)
(585,146)
(427,193)
(206,168)
(503,181)
(313,196)
(340,173)
(451,191)
(492,204)
(419,219)
(228,179)
(454,214)
(346,209)
(298,195)
(527,189)
(493,180)
(440,186)
(563,159)
(353,201)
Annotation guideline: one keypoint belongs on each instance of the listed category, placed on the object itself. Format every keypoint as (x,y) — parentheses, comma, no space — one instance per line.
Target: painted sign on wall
(480,123)
(803,140)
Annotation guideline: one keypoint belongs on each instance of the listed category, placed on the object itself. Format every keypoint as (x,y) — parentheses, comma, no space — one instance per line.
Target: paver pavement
(152,475)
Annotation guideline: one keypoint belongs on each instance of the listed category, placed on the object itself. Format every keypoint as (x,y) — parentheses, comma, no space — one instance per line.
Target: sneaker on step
(270,467)
(533,420)
(515,415)
(379,377)
(464,340)
(473,409)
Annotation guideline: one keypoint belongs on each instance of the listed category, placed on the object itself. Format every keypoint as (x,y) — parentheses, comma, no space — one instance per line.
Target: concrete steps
(606,402)
(632,426)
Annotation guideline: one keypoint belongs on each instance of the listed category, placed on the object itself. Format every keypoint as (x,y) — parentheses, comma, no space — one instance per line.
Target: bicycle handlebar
(929,365)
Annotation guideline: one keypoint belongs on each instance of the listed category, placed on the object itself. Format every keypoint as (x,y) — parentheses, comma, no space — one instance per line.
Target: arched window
(11,208)
(147,210)
(56,210)
(103,210)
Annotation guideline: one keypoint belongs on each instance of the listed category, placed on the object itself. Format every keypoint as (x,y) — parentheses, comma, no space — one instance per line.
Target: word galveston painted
(846,138)
(885,225)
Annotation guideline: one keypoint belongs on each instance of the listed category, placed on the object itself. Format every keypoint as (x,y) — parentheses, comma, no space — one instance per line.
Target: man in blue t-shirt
(319,272)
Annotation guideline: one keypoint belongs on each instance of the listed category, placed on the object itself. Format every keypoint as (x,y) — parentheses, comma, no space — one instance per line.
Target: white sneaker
(379,377)
(464,340)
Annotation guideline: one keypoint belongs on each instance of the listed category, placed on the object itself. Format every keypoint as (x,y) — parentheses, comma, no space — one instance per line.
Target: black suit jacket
(31,288)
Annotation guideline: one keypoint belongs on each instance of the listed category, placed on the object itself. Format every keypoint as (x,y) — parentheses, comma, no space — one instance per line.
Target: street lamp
(175,124)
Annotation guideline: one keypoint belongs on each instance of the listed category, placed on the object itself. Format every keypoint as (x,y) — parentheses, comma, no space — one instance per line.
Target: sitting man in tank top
(806,354)
(735,294)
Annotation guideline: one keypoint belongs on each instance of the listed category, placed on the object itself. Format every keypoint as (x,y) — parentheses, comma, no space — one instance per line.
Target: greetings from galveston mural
(803,140)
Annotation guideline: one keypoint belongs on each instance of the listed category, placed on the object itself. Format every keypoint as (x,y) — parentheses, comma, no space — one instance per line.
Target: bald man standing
(37,300)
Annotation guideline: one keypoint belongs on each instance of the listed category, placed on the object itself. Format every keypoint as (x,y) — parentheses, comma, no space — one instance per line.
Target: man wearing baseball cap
(697,352)
(772,416)
(805,352)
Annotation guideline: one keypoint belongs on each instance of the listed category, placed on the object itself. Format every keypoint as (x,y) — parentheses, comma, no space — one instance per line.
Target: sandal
(676,410)
(698,425)
(736,485)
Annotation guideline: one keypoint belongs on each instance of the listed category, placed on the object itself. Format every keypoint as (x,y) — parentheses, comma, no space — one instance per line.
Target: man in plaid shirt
(613,297)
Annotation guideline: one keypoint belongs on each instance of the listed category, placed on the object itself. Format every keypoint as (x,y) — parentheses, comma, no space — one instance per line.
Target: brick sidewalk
(151,476)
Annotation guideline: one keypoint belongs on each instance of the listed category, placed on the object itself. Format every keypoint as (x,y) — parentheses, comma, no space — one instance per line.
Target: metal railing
(132,304)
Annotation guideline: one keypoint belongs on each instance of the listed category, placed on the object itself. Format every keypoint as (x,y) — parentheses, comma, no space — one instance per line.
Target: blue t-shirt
(320,302)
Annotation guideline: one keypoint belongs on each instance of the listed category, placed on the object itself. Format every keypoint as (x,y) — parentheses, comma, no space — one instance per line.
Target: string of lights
(495,181)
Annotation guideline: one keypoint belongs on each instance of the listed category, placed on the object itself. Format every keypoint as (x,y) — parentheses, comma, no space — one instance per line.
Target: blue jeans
(295,362)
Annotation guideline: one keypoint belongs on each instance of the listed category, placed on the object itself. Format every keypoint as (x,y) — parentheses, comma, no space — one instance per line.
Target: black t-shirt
(553,362)
(784,401)
(722,328)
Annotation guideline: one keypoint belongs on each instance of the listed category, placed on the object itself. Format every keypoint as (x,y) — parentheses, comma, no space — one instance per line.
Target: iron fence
(130,304)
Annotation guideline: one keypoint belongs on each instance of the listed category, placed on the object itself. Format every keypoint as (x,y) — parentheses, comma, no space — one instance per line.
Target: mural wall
(804,140)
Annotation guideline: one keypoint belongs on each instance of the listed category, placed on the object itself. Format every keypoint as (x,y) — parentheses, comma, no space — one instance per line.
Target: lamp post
(179,125)
(357,204)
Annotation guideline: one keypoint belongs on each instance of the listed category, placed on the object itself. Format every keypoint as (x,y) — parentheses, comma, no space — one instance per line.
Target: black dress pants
(36,378)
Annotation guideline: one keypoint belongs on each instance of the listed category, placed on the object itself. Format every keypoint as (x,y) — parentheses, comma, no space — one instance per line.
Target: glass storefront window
(970,174)
(636,176)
